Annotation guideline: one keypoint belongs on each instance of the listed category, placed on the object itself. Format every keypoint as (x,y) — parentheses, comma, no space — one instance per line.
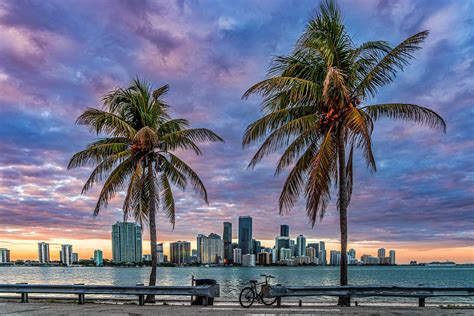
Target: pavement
(11,308)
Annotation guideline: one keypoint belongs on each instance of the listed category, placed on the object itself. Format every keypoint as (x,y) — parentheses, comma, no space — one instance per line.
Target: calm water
(233,279)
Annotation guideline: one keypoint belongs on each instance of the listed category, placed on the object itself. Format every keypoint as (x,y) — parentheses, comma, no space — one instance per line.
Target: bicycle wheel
(268,300)
(247,297)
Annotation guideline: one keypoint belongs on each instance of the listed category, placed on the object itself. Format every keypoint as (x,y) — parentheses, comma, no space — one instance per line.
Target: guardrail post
(421,302)
(141,297)
(279,301)
(81,296)
(24,296)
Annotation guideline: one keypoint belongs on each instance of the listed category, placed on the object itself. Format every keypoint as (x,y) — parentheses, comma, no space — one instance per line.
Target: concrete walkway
(8,308)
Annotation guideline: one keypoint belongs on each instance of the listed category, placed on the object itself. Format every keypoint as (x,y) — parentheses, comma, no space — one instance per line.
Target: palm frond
(406,112)
(100,121)
(167,201)
(98,151)
(360,133)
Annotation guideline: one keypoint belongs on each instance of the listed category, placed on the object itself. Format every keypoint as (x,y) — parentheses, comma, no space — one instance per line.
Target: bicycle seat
(253,281)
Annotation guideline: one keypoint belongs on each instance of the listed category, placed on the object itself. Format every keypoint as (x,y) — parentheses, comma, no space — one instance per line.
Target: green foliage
(313,101)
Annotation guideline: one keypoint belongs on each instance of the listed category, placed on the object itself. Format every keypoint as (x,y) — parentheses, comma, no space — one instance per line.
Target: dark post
(279,301)
(300,303)
(192,284)
(81,296)
(24,296)
(141,297)
(421,302)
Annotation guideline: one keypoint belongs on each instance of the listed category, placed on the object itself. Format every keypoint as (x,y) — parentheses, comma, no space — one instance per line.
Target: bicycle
(250,293)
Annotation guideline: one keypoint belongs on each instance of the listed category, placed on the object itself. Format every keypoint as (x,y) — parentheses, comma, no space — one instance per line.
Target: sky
(59,57)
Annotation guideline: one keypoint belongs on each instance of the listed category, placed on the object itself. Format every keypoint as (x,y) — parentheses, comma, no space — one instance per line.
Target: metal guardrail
(420,292)
(205,291)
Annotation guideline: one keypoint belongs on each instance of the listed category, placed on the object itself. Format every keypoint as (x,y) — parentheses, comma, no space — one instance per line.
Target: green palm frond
(167,200)
(388,65)
(406,112)
(98,151)
(360,134)
(100,121)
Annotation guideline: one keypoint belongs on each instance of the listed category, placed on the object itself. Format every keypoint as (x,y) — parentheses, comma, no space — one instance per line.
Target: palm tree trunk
(152,222)
(343,301)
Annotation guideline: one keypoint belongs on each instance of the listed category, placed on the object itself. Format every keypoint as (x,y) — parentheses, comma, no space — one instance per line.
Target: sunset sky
(59,57)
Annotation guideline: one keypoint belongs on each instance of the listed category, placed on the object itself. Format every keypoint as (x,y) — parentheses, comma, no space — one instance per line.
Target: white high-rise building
(43,252)
(381,254)
(301,245)
(322,253)
(212,249)
(392,257)
(311,253)
(248,260)
(351,256)
(160,258)
(4,255)
(237,256)
(335,258)
(285,253)
(65,255)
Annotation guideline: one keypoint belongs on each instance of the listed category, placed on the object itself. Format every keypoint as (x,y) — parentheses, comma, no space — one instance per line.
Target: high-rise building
(322,253)
(43,252)
(199,246)
(126,242)
(314,245)
(237,258)
(335,258)
(256,246)
(281,242)
(98,258)
(367,259)
(75,257)
(381,254)
(264,258)
(248,260)
(301,245)
(4,255)
(180,252)
(311,253)
(245,234)
(227,237)
(285,253)
(160,257)
(212,249)
(65,255)
(284,230)
(392,257)
(351,256)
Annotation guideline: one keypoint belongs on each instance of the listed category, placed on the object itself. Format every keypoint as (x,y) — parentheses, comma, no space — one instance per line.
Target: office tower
(180,252)
(4,255)
(160,257)
(314,245)
(43,252)
(322,253)
(256,246)
(264,258)
(75,257)
(285,253)
(335,258)
(284,230)
(368,260)
(126,242)
(98,258)
(212,249)
(301,245)
(199,246)
(237,256)
(65,255)
(248,260)
(392,257)
(381,254)
(351,256)
(227,236)
(311,253)
(245,234)
(300,260)
(281,242)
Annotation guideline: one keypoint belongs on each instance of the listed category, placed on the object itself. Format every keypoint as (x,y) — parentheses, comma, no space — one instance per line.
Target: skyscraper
(4,255)
(284,230)
(352,256)
(75,257)
(160,257)
(65,255)
(98,258)
(237,256)
(322,253)
(281,242)
(43,252)
(227,237)
(392,257)
(245,234)
(199,246)
(180,252)
(212,249)
(314,245)
(126,242)
(301,245)
(248,260)
(256,246)
(335,258)
(311,253)
(381,254)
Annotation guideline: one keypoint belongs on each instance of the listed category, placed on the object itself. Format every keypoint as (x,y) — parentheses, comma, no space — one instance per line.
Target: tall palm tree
(314,108)
(138,156)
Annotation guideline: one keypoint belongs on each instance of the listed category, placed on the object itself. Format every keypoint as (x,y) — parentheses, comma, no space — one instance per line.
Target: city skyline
(419,202)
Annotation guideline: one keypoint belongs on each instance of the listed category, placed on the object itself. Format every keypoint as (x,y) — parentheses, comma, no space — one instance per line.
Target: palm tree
(314,108)
(138,155)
